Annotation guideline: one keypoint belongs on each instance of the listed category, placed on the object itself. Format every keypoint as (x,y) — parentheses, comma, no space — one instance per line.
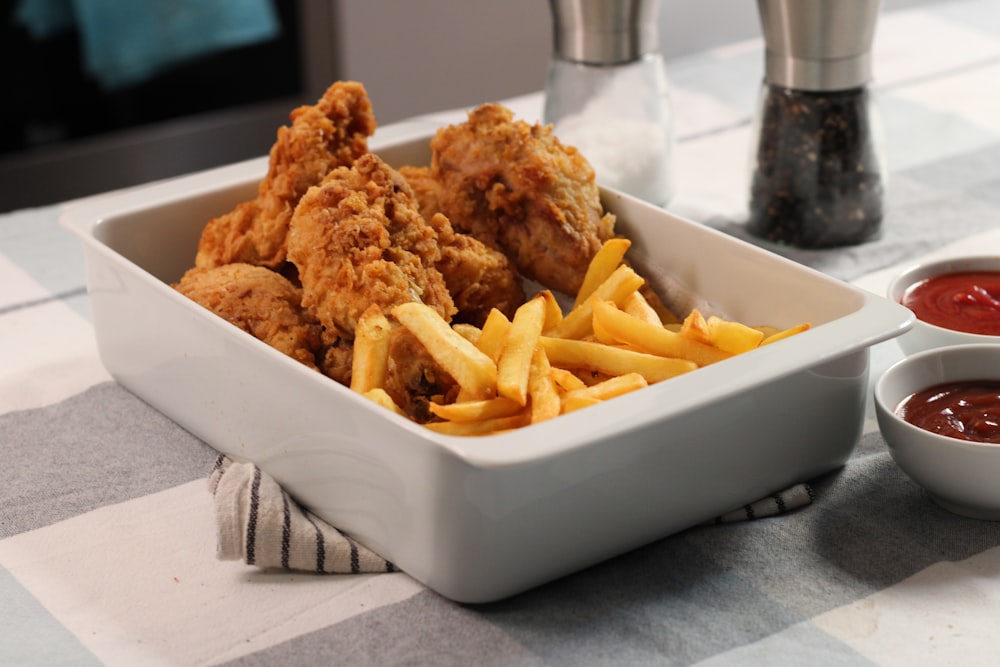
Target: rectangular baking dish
(479,519)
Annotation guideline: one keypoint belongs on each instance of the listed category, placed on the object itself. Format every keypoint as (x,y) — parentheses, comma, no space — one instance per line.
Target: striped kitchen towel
(258,522)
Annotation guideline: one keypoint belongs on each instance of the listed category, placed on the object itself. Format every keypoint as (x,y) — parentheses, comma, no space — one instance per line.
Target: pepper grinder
(607,94)
(818,164)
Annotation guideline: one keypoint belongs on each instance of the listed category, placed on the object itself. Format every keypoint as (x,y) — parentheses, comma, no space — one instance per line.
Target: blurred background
(101,95)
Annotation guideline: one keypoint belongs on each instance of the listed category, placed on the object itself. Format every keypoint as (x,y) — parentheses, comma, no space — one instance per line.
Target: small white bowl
(961,476)
(925,336)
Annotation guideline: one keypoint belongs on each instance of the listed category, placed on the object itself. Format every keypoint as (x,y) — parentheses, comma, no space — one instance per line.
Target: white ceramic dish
(478,519)
(960,476)
(924,336)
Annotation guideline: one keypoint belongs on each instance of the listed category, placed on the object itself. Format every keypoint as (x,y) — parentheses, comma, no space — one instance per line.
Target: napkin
(257,522)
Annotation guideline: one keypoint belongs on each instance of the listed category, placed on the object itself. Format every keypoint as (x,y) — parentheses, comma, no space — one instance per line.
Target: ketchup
(967,410)
(964,301)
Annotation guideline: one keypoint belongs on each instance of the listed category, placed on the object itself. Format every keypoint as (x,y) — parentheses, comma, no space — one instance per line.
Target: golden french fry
(666,315)
(572,403)
(379,395)
(616,386)
(601,266)
(371,350)
(578,322)
(780,335)
(732,336)
(469,332)
(553,311)
(514,364)
(466,411)
(695,327)
(568,353)
(473,370)
(483,427)
(545,400)
(565,379)
(635,304)
(494,334)
(655,340)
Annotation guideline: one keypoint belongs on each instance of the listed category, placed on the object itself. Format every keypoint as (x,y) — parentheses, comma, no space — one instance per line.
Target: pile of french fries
(543,363)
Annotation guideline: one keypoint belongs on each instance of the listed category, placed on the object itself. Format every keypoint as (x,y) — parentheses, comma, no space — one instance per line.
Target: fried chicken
(479,277)
(516,188)
(358,238)
(260,301)
(332,133)
(414,378)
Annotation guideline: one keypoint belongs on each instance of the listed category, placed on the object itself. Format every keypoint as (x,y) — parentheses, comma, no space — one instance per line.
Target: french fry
(483,427)
(635,304)
(601,266)
(469,332)
(379,395)
(467,411)
(578,322)
(568,353)
(474,371)
(553,311)
(572,403)
(695,327)
(565,379)
(785,333)
(616,386)
(514,364)
(545,400)
(494,334)
(655,340)
(733,337)
(371,350)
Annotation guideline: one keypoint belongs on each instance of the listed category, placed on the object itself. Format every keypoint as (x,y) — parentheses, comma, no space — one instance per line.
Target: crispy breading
(479,277)
(358,239)
(260,301)
(332,133)
(515,187)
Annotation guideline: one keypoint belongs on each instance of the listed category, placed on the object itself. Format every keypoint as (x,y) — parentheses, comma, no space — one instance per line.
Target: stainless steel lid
(604,32)
(818,44)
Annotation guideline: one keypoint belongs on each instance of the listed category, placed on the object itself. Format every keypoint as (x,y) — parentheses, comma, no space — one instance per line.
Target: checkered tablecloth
(107,542)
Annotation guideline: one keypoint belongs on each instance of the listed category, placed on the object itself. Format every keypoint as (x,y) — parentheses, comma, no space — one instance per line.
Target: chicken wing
(332,133)
(479,277)
(516,188)
(358,238)
(260,301)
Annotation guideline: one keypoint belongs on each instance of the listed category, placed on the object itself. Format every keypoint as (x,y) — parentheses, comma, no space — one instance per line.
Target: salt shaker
(818,166)
(607,93)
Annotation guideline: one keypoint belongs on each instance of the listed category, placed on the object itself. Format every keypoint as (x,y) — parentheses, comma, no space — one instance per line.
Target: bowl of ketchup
(939,412)
(956,302)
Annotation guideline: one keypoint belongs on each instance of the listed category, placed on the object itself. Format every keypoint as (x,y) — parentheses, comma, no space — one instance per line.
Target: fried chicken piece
(336,358)
(479,277)
(515,187)
(260,301)
(414,378)
(332,133)
(358,239)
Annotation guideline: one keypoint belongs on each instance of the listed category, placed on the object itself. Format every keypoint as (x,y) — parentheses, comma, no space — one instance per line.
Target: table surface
(107,543)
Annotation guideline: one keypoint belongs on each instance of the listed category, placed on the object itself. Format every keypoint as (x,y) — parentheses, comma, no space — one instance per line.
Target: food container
(478,519)
(924,335)
(959,475)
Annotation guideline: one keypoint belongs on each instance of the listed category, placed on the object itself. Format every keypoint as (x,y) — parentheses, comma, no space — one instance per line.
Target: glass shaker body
(818,167)
(619,117)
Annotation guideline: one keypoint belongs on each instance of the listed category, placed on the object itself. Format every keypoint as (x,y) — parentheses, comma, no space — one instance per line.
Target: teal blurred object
(125,43)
